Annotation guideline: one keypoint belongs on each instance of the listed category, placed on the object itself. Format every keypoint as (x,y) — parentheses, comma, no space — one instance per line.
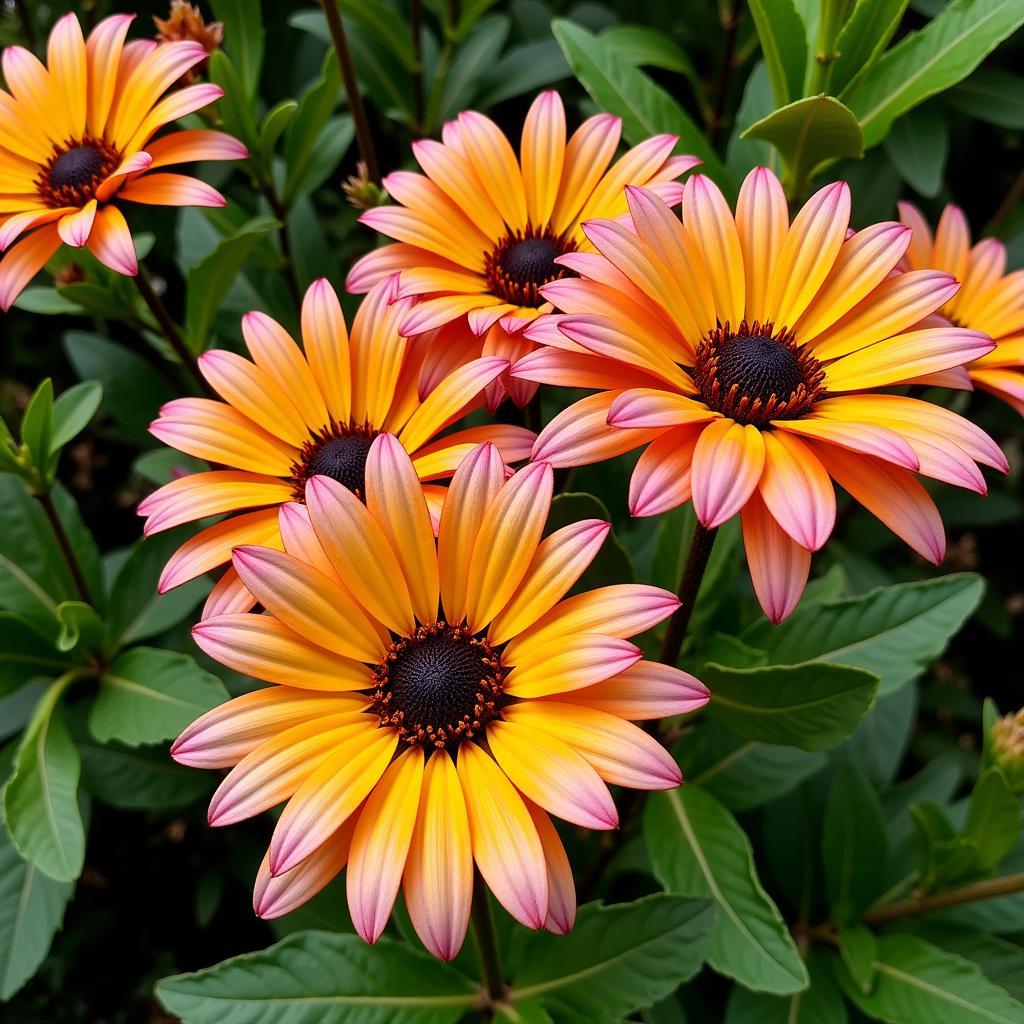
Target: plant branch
(689,586)
(364,138)
(1010,200)
(416,28)
(487,944)
(730,24)
(914,906)
(290,277)
(170,330)
(64,541)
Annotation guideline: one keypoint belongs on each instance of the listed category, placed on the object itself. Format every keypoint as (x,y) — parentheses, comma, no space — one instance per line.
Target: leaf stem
(689,586)
(170,330)
(364,138)
(487,944)
(67,550)
(730,23)
(914,906)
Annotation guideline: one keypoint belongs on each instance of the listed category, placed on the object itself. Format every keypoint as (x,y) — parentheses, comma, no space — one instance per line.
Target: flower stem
(914,906)
(364,138)
(27,25)
(730,24)
(415,27)
(67,550)
(689,586)
(487,944)
(290,277)
(170,330)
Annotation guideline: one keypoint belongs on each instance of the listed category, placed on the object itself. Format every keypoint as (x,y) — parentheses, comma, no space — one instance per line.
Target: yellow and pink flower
(748,354)
(76,140)
(433,700)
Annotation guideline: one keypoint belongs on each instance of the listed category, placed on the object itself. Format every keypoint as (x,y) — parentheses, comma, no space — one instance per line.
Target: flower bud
(1006,748)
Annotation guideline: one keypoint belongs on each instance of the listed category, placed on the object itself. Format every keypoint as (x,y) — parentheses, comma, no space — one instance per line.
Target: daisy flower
(479,235)
(433,700)
(989,299)
(747,353)
(76,139)
(290,414)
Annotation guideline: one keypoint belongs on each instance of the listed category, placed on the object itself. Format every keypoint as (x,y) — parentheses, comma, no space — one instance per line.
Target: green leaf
(822,1003)
(80,628)
(698,849)
(991,95)
(306,128)
(741,773)
(993,818)
(859,949)
(881,739)
(275,121)
(41,797)
(210,279)
(379,21)
(920,984)
(148,695)
(616,959)
(73,410)
(138,779)
(31,910)
(855,845)
(783,38)
(133,390)
(322,978)
(742,155)
(137,611)
(642,46)
(472,60)
(645,108)
(235,108)
(918,145)
(924,63)
(942,855)
(810,133)
(37,425)
(243,38)
(813,705)
(861,42)
(522,69)
(46,301)
(894,631)
(25,654)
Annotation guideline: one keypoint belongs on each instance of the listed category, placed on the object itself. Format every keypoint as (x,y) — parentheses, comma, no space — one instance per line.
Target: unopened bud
(362,193)
(72,273)
(185,22)
(1006,748)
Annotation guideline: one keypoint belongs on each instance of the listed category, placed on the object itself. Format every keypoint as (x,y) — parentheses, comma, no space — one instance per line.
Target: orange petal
(778,565)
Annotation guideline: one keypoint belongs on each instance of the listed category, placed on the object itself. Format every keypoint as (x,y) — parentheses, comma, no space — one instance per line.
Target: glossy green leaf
(31,910)
(46,302)
(81,629)
(917,983)
(810,133)
(612,563)
(616,959)
(643,46)
(210,279)
(322,978)
(235,107)
(148,695)
(822,1003)
(522,69)
(854,844)
(698,849)
(137,610)
(813,705)
(243,38)
(991,95)
(924,63)
(275,121)
(862,40)
(783,39)
(304,132)
(73,410)
(41,797)
(993,818)
(37,425)
(473,59)
(859,949)
(645,108)
(379,21)
(894,631)
(918,145)
(25,654)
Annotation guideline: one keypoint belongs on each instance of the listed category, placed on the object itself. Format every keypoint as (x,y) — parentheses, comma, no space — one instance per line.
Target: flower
(989,299)
(76,140)
(433,701)
(481,233)
(1005,741)
(287,416)
(747,353)
(185,21)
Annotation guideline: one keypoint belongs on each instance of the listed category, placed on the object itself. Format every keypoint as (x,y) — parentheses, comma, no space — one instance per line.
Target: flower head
(747,353)
(185,21)
(76,139)
(289,415)
(433,700)
(989,299)
(1006,745)
(483,231)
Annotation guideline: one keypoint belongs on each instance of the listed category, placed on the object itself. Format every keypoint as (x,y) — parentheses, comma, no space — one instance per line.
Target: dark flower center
(339,453)
(523,262)
(753,375)
(75,170)
(439,686)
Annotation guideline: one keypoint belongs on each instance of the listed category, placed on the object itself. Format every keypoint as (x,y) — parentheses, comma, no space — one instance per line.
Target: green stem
(278,208)
(730,23)
(689,586)
(170,330)
(67,550)
(364,137)
(914,906)
(487,944)
(416,28)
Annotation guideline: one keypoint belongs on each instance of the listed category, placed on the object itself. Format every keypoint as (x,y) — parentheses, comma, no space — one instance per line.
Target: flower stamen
(523,262)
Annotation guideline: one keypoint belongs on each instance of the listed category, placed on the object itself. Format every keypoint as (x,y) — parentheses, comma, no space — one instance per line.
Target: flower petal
(661,477)
(570,663)
(727,463)
(646,691)
(778,565)
(797,490)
